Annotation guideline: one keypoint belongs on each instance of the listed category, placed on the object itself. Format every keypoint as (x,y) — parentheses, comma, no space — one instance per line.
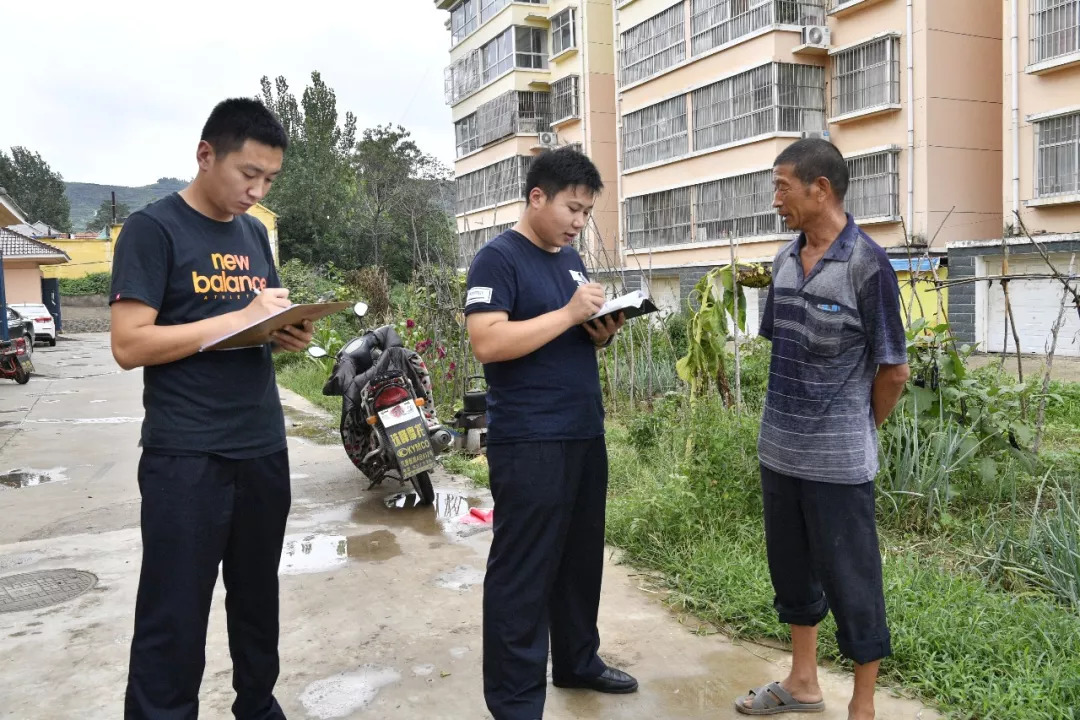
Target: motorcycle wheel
(424,490)
(21,376)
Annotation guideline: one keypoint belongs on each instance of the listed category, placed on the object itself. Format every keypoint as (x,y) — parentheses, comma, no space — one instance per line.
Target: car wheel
(52,342)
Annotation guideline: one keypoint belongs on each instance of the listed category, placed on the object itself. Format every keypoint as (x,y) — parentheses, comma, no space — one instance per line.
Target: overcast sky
(116,91)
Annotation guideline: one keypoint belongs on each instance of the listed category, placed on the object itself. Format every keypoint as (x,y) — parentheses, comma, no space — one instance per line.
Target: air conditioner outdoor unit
(548,139)
(817,35)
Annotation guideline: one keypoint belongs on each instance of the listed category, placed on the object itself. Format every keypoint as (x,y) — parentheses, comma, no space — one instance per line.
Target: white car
(44,325)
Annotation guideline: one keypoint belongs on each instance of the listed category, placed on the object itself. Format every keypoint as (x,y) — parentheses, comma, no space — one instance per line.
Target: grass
(474,468)
(306,378)
(959,641)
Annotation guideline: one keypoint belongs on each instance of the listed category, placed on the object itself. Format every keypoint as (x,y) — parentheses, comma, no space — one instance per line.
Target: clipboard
(258,333)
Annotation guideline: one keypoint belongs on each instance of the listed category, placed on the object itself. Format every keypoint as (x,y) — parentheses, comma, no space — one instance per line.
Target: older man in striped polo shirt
(839,365)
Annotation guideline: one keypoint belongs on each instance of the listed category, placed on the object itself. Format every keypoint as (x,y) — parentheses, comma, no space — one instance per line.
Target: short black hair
(236,120)
(814,158)
(555,170)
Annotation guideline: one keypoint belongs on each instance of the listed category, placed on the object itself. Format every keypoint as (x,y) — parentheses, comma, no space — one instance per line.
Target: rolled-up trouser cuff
(865,651)
(805,615)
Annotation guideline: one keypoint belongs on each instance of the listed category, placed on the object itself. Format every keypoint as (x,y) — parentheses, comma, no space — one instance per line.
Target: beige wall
(960,115)
(22,282)
(599,123)
(511,146)
(508,213)
(1042,93)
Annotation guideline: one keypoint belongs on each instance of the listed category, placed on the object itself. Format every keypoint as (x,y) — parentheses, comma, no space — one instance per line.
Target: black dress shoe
(611,681)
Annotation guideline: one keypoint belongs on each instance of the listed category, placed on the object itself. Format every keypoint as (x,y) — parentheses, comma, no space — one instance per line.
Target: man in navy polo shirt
(528,301)
(839,365)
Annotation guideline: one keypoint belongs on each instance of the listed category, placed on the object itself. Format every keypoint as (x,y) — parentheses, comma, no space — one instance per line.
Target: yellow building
(94,254)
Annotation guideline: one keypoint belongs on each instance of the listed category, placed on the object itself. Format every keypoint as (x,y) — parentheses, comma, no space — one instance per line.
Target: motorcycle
(388,428)
(15,362)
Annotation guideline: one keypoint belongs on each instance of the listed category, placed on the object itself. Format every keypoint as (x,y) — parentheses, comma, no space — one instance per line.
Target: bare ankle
(803,687)
(861,710)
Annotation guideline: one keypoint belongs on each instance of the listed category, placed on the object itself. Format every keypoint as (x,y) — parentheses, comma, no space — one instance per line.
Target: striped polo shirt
(830,330)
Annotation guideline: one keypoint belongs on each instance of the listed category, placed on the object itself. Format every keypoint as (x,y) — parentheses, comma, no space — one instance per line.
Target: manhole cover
(35,590)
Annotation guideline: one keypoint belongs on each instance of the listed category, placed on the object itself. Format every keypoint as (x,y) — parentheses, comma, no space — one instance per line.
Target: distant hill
(85,198)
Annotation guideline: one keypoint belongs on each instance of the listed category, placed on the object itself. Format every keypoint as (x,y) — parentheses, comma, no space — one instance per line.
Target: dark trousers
(823,553)
(198,512)
(544,571)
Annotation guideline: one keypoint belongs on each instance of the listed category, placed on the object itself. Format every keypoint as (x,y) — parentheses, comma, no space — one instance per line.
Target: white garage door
(1035,305)
(664,292)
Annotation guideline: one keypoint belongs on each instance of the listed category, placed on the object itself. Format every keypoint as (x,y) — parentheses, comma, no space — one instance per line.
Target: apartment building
(1040,185)
(711,91)
(525,75)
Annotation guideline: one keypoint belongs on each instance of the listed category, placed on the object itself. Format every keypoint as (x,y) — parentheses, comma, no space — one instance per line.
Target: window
(780,97)
(655,133)
(653,45)
(467,133)
(1057,159)
(521,47)
(493,185)
(511,113)
(469,15)
(463,21)
(800,98)
(531,48)
(563,31)
(565,98)
(716,22)
(498,55)
(658,219)
(739,206)
(874,185)
(866,76)
(488,8)
(733,109)
(470,241)
(1055,29)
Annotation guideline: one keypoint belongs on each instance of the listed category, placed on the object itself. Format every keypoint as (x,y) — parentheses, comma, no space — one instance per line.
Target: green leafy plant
(714,296)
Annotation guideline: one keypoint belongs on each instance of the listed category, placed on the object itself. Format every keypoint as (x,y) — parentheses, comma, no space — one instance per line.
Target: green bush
(93,284)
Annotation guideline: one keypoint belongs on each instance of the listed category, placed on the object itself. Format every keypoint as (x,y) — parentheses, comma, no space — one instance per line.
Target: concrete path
(380,604)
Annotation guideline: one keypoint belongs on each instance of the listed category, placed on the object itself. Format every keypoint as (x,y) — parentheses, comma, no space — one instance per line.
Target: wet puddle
(316,553)
(29,477)
(342,695)
(406,510)
(462,577)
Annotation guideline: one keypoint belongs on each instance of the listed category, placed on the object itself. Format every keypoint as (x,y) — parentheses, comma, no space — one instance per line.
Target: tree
(400,208)
(355,203)
(35,187)
(104,215)
(314,196)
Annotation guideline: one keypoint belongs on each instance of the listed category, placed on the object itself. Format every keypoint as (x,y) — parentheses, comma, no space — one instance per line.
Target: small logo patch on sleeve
(478,295)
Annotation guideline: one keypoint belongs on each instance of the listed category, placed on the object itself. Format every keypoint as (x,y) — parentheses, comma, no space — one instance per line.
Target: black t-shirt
(189,267)
(554,392)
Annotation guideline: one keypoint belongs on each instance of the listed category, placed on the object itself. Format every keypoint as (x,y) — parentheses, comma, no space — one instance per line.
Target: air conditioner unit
(816,35)
(548,139)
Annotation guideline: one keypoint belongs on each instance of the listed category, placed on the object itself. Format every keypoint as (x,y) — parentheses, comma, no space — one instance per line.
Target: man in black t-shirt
(528,302)
(214,473)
